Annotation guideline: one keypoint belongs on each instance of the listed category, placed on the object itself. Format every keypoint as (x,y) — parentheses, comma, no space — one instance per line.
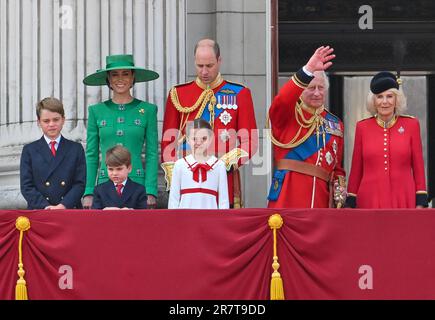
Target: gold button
(385,162)
(385,139)
(385,129)
(386,168)
(62,183)
(47,184)
(385,149)
(385,143)
(385,155)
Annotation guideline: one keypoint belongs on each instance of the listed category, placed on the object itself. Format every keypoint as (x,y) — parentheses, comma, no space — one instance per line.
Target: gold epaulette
(407,116)
(232,158)
(182,84)
(336,117)
(203,99)
(236,83)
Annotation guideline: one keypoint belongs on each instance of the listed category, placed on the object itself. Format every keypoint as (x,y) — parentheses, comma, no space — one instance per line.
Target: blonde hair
(400,102)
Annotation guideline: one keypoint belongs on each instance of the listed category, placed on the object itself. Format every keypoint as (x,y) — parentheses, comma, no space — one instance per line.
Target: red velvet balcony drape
(227,254)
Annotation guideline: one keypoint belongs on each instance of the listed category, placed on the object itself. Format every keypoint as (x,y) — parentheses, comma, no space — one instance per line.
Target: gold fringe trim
(207,96)
(22,224)
(276,284)
(168,168)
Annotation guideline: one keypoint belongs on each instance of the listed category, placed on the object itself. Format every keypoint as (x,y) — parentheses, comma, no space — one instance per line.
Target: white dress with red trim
(199,185)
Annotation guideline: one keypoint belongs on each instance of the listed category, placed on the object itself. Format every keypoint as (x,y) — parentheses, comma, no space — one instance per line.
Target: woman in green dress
(122,120)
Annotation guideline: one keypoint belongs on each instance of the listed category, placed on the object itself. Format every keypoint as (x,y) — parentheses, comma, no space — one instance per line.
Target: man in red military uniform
(308,141)
(226,105)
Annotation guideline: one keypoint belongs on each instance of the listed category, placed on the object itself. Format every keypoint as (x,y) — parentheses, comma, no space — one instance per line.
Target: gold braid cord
(22,224)
(207,96)
(276,285)
(313,124)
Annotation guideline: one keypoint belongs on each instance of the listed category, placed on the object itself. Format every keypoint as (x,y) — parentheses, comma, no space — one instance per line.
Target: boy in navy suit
(119,192)
(53,168)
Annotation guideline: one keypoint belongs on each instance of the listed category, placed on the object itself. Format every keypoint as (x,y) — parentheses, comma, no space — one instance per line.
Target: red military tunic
(300,190)
(233,127)
(387,164)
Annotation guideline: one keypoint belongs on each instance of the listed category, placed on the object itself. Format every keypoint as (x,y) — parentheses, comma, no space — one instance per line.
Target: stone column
(48,46)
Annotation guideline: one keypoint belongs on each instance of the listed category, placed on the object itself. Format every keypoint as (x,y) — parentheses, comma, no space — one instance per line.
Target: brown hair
(118,156)
(108,75)
(51,104)
(198,124)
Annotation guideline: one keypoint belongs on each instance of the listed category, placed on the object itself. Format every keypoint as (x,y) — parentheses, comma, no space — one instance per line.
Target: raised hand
(321,59)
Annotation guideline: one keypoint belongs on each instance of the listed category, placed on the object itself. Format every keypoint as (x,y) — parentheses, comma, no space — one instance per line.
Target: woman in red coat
(387,164)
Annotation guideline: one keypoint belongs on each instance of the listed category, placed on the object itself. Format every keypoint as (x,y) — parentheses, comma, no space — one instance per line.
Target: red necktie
(203,168)
(119,188)
(53,149)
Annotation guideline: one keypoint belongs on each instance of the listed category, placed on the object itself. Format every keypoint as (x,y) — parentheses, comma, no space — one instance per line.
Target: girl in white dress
(199,180)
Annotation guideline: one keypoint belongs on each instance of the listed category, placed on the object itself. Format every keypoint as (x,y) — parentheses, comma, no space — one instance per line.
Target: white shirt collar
(123,183)
(48,140)
(192,161)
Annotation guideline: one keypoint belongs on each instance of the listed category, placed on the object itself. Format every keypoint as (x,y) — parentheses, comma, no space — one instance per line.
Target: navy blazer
(47,180)
(133,196)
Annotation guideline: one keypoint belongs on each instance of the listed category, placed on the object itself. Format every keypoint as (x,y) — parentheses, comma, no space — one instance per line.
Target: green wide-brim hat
(116,62)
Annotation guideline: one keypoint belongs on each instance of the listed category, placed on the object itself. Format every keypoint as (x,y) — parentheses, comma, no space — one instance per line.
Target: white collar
(123,183)
(192,161)
(48,140)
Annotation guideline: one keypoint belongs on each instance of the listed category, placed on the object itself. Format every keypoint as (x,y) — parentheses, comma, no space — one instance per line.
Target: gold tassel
(22,224)
(276,284)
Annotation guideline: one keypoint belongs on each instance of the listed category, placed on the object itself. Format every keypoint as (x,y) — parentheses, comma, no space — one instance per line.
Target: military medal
(231,102)
(328,158)
(225,117)
(333,128)
(224,100)
(401,130)
(219,105)
(275,185)
(235,106)
(142,110)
